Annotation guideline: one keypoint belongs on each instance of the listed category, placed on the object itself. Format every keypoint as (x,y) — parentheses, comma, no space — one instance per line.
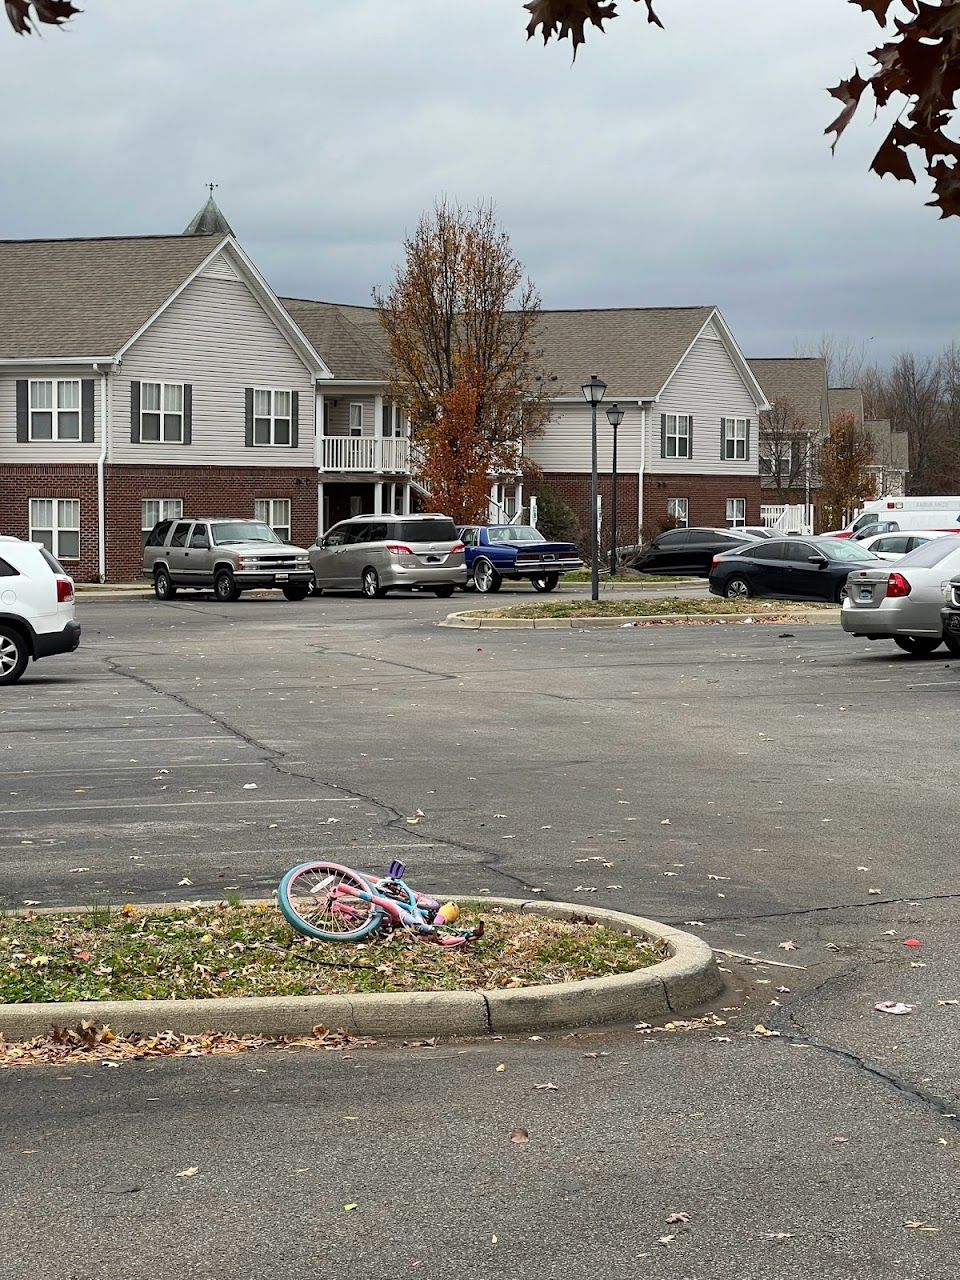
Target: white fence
(390,454)
(788,519)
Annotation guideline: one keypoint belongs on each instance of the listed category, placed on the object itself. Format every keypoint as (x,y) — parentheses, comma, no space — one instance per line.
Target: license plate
(866,593)
(282,577)
(432,559)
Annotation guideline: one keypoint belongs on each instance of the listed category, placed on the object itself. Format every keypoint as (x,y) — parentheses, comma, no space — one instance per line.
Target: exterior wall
(220,491)
(20,483)
(338,411)
(45,451)
(564,446)
(707,497)
(707,385)
(574,489)
(218,338)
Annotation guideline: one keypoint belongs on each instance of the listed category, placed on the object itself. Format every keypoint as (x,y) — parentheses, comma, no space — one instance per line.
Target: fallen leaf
(549,1085)
(914,1224)
(893,1006)
(78,871)
(249,786)
(349,1208)
(502,1066)
(761,1030)
(519,1136)
(674,1218)
(665,1240)
(779,1235)
(188,1173)
(665,822)
(786,946)
(185,880)
(912,942)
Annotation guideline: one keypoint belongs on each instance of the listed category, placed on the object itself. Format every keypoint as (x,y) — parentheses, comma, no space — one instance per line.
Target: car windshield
(242,531)
(513,533)
(835,549)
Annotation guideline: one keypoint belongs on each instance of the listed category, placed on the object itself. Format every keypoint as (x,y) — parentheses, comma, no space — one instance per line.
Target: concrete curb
(688,978)
(467,621)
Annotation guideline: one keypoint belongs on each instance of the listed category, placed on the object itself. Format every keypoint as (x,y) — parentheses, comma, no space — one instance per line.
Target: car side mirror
(321,542)
(820,560)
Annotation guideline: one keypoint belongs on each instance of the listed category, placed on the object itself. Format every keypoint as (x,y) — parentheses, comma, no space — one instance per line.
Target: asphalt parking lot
(762,785)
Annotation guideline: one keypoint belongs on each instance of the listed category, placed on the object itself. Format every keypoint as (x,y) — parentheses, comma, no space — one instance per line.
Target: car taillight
(714,562)
(64,591)
(398,549)
(457,546)
(897,585)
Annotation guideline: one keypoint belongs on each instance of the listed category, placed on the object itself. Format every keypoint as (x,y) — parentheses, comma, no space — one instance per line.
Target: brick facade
(213,491)
(574,488)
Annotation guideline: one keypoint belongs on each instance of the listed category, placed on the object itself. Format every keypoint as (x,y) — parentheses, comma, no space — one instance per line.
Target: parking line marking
(96,807)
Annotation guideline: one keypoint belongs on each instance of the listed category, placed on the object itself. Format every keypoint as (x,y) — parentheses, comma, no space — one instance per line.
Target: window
(736,512)
(468,537)
(415,530)
(676,435)
(179,538)
(672,538)
(373,532)
(55,409)
(776,457)
(272,416)
(199,541)
(356,505)
(161,412)
(356,419)
(678,510)
(55,524)
(153,510)
(735,437)
(276,513)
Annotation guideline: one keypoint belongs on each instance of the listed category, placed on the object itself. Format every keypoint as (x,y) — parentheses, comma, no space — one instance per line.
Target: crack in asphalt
(916,899)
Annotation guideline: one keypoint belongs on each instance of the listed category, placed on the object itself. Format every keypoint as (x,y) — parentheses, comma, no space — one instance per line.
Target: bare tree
(912,400)
(845,358)
(788,450)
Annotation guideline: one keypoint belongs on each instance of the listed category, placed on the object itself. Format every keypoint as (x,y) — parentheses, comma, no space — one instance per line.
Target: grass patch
(628,577)
(244,950)
(646,608)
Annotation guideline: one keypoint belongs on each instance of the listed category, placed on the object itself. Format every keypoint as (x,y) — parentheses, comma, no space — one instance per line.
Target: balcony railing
(388,454)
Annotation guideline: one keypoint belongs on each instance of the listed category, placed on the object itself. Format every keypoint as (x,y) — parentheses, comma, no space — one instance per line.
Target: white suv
(37,610)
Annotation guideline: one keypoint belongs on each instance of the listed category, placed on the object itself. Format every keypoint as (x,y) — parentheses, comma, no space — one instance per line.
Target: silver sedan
(902,602)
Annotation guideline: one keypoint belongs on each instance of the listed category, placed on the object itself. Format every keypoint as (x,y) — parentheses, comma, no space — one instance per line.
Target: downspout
(643,462)
(101,477)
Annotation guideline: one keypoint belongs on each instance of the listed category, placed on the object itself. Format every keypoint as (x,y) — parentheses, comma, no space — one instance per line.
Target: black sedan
(687,551)
(789,569)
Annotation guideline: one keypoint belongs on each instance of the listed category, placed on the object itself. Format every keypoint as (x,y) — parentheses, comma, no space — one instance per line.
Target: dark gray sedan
(790,569)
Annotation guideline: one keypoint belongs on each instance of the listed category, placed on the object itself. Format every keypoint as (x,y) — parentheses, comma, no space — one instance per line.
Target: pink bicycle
(332,903)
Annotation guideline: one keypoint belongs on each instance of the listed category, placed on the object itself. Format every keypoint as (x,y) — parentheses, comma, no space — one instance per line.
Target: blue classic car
(498,551)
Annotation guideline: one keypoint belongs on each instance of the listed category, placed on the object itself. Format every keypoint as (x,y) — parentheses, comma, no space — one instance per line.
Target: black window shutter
(689,435)
(748,439)
(23,411)
(248,428)
(86,410)
(188,413)
(295,420)
(663,435)
(723,438)
(134,412)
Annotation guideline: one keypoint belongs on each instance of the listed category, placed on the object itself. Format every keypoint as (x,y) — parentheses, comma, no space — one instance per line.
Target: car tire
(163,587)
(370,584)
(737,588)
(486,580)
(444,592)
(296,591)
(917,646)
(841,593)
(14,655)
(225,587)
(546,582)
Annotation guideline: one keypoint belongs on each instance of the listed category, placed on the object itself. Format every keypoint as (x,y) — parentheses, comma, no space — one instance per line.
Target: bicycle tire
(286,895)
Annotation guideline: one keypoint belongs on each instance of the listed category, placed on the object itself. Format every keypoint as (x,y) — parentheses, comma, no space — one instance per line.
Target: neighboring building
(890,464)
(790,434)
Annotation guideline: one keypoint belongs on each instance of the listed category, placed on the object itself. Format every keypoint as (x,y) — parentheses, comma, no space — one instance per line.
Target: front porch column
(318,436)
(378,431)
(518,492)
(320,523)
(406,498)
(378,499)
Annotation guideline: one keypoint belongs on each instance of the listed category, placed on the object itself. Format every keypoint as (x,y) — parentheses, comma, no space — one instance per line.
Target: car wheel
(296,591)
(841,593)
(546,582)
(738,589)
(917,646)
(370,584)
(444,592)
(163,587)
(14,655)
(225,587)
(485,577)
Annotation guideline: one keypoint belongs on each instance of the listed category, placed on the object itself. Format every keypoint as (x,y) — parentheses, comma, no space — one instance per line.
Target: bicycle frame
(407,909)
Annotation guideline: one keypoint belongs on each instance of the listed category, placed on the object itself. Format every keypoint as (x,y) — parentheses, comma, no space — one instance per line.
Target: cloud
(673,167)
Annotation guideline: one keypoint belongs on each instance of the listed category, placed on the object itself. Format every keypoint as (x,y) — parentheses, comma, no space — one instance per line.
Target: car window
(764,551)
(916,541)
(468,537)
(930,554)
(337,536)
(371,533)
(675,538)
(179,538)
(840,549)
(199,539)
(799,550)
(158,534)
(7,570)
(426,531)
(893,545)
(225,531)
(513,533)
(53,562)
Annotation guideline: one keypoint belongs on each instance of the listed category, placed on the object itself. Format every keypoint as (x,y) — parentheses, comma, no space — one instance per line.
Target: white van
(893,515)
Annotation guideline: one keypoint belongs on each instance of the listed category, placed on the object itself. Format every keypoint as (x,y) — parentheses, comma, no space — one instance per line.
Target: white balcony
(389,455)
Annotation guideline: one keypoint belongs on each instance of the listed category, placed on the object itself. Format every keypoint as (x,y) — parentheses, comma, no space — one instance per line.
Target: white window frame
(273,417)
(57,528)
(56,409)
(357,430)
(674,434)
(275,507)
(163,413)
(681,512)
(736,432)
(167,509)
(733,506)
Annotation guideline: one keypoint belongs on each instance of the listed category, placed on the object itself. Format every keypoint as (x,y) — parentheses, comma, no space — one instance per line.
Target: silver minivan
(375,554)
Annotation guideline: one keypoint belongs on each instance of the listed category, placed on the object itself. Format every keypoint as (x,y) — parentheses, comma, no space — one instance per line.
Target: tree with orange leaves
(461,322)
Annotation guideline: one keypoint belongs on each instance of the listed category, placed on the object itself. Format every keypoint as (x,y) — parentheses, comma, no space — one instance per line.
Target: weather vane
(213,186)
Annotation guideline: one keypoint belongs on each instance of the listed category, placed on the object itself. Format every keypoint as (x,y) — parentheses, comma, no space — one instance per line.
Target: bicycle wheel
(317,900)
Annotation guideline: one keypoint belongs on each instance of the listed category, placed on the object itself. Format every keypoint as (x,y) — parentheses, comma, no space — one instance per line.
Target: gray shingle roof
(88,297)
(890,448)
(350,339)
(847,400)
(801,381)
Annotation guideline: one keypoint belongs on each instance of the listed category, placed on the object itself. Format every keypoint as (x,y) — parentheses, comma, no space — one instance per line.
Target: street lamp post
(593,394)
(614,417)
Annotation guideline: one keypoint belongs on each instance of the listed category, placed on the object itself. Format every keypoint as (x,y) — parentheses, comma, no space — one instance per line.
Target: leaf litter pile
(249,950)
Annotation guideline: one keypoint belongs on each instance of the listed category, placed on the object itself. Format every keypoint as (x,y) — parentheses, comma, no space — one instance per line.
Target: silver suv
(375,554)
(228,555)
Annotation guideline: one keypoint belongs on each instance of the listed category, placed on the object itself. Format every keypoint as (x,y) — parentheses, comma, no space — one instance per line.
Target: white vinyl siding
(64,450)
(216,337)
(565,442)
(341,413)
(55,522)
(276,513)
(153,510)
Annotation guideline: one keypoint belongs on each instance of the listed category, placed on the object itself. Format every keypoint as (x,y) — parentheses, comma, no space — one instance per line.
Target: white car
(894,546)
(37,607)
(902,602)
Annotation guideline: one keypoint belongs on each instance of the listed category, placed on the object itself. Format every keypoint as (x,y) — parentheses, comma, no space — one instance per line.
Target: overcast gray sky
(664,168)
